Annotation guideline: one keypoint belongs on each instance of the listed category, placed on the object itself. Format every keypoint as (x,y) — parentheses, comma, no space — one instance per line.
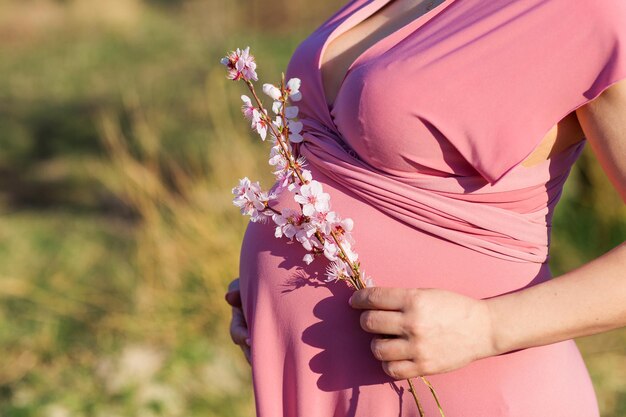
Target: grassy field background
(120,139)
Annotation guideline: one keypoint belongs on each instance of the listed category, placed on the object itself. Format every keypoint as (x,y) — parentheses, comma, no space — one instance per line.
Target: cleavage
(342,51)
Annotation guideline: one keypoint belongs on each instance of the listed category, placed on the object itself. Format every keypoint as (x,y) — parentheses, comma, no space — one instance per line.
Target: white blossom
(330,250)
(313,198)
(368,281)
(240,65)
(336,270)
(277,158)
(293,89)
(308,258)
(272,91)
(277,106)
(318,229)
(259,123)
(247,108)
(323,220)
(347,249)
(287,223)
(306,174)
(305,235)
(252,200)
(278,122)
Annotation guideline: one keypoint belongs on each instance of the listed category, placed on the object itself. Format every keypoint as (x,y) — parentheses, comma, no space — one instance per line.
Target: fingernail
(350,300)
(248,341)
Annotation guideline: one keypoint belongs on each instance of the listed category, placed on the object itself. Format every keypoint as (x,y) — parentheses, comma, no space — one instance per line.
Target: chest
(342,51)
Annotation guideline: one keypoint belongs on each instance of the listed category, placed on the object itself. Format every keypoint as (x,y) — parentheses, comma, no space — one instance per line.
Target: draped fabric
(481,220)
(431,123)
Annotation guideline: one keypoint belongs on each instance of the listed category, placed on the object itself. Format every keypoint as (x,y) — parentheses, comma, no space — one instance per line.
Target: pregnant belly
(306,338)
(393,253)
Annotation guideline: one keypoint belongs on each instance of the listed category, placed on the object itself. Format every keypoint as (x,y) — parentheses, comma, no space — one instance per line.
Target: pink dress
(422,149)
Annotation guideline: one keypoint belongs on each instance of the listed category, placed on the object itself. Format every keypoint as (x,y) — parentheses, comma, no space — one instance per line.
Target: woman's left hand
(436,330)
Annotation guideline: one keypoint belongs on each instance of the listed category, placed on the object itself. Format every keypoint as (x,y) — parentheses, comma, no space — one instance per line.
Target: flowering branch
(315,226)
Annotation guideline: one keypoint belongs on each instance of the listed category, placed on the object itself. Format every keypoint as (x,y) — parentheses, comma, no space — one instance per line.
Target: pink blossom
(249,206)
(286,173)
(294,128)
(305,235)
(275,141)
(333,248)
(318,229)
(240,65)
(244,185)
(323,220)
(247,108)
(291,223)
(305,174)
(346,245)
(308,258)
(278,122)
(277,106)
(341,228)
(293,89)
(282,179)
(252,200)
(313,198)
(259,123)
(291,112)
(330,250)
(276,157)
(336,270)
(272,91)
(288,223)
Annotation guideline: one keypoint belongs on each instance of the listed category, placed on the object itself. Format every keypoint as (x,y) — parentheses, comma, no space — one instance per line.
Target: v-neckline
(350,21)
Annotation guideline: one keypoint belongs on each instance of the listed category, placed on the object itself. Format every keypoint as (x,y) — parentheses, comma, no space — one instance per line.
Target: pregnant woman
(445,129)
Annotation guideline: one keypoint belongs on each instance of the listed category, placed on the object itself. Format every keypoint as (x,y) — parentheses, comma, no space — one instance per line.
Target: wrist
(493,345)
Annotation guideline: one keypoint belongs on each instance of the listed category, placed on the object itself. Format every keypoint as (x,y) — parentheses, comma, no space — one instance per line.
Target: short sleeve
(607,35)
(584,47)
(521,67)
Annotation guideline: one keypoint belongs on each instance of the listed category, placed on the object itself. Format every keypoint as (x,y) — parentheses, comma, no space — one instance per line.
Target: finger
(394,349)
(239,323)
(233,295)
(379,298)
(247,354)
(382,322)
(234,284)
(238,327)
(233,298)
(400,369)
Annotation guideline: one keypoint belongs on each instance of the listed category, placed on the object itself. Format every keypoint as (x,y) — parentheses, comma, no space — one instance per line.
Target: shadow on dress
(345,360)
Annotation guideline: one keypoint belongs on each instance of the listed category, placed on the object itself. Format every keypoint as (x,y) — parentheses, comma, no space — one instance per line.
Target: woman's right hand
(238,325)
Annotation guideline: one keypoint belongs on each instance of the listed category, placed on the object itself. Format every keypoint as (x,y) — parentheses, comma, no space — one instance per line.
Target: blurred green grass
(120,139)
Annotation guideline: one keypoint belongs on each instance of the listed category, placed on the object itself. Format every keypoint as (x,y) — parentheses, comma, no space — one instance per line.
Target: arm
(438,331)
(585,301)
(589,299)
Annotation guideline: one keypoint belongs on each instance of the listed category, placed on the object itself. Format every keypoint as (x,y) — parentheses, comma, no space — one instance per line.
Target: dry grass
(114,258)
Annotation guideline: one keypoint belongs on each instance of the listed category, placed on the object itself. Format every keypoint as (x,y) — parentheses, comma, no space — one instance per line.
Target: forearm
(587,300)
